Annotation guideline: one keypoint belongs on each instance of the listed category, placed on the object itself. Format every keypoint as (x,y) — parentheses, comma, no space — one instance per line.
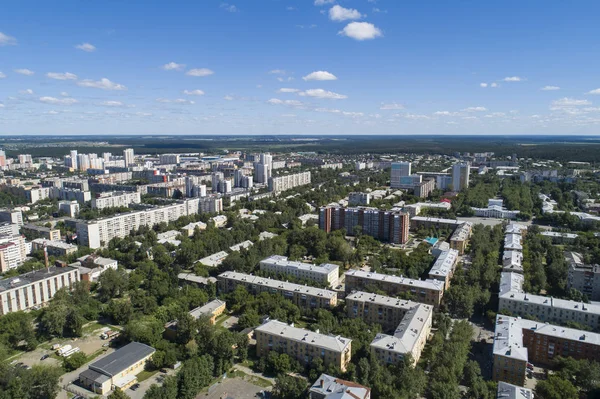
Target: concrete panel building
(287,182)
(116,199)
(303,296)
(55,248)
(303,345)
(326,273)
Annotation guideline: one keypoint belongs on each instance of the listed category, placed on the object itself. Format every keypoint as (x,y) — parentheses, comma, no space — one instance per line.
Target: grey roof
(122,359)
(93,375)
(207,309)
(32,277)
(510,391)
(334,388)
(330,342)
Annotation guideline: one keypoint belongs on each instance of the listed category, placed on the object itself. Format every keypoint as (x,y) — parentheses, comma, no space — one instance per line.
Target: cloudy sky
(300,66)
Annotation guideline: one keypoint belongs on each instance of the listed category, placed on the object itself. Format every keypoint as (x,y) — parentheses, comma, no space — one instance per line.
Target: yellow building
(117,370)
(302,345)
(460,238)
(212,309)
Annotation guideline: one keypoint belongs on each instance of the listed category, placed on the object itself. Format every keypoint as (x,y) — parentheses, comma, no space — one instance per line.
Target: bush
(74,361)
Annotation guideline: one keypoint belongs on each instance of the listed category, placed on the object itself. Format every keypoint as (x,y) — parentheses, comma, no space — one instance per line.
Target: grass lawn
(144,375)
(221,319)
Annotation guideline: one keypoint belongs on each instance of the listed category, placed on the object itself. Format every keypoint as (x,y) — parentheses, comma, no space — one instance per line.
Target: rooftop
(445,263)
(436,220)
(214,259)
(361,296)
(407,333)
(510,391)
(242,245)
(426,284)
(53,243)
(277,284)
(206,309)
(122,359)
(283,261)
(191,277)
(32,277)
(334,388)
(513,241)
(329,342)
(462,232)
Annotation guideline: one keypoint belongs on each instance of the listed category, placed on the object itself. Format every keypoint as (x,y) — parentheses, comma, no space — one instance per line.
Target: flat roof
(278,284)
(329,342)
(361,296)
(32,277)
(242,245)
(214,259)
(53,243)
(292,264)
(430,284)
(436,220)
(196,279)
(122,359)
(510,391)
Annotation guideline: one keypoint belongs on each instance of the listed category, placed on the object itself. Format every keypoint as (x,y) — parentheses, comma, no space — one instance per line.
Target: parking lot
(234,388)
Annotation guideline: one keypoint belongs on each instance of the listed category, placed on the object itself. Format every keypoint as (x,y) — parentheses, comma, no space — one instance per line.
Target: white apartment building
(287,182)
(70,208)
(129,157)
(212,204)
(7,228)
(325,273)
(415,209)
(13,251)
(399,170)
(547,309)
(357,198)
(169,159)
(116,199)
(34,289)
(443,268)
(11,216)
(460,176)
(99,232)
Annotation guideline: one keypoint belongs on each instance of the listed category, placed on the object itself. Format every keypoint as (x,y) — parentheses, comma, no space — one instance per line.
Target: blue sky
(348,67)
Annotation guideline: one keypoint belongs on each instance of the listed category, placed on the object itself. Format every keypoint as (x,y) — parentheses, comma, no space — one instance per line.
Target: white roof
(196,279)
(361,296)
(265,235)
(54,243)
(515,228)
(437,220)
(513,241)
(242,245)
(510,281)
(558,234)
(427,284)
(206,309)
(445,263)
(329,342)
(283,261)
(214,259)
(510,391)
(462,232)
(407,333)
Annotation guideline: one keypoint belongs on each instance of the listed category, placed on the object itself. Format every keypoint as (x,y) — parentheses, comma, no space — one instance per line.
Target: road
(145,385)
(72,376)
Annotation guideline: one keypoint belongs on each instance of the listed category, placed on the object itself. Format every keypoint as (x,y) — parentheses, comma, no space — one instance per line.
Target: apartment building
(515,228)
(36,231)
(330,387)
(116,199)
(409,337)
(69,208)
(11,216)
(92,266)
(34,289)
(326,273)
(211,310)
(512,261)
(357,198)
(547,309)
(7,228)
(461,236)
(398,171)
(513,242)
(582,277)
(424,188)
(389,226)
(99,232)
(303,296)
(54,248)
(13,251)
(510,391)
(423,291)
(210,204)
(302,345)
(518,341)
(287,182)
(428,222)
(443,267)
(460,176)
(415,209)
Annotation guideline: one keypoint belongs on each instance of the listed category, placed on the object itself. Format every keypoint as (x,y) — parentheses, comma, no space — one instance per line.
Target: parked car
(46,356)
(134,387)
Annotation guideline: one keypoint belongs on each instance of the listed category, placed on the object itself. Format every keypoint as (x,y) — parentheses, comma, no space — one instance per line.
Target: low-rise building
(329,387)
(69,208)
(512,261)
(510,391)
(92,266)
(53,247)
(189,229)
(518,341)
(303,345)
(425,291)
(582,277)
(34,289)
(117,370)
(303,296)
(443,268)
(242,245)
(496,210)
(212,310)
(560,238)
(428,222)
(214,260)
(415,209)
(34,231)
(192,279)
(515,228)
(461,236)
(513,299)
(513,242)
(326,273)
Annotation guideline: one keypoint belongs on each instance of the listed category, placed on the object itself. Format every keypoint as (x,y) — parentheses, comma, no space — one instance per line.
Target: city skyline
(299,67)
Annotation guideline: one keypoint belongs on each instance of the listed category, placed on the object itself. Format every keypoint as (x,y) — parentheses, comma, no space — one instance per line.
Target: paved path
(249,371)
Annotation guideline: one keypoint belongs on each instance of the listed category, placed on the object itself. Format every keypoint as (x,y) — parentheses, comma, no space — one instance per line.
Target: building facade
(287,182)
(461,236)
(326,273)
(116,199)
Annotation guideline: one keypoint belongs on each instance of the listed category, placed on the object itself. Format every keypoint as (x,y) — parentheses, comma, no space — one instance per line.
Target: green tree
(74,361)
(288,387)
(555,387)
(118,394)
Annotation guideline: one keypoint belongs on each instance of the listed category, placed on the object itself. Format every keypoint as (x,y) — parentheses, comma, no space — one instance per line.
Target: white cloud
(62,76)
(320,75)
(228,98)
(58,101)
(494,85)
(475,109)
(173,66)
(143,114)
(361,31)
(103,84)
(444,113)
(512,79)
(339,13)
(595,91)
(323,2)
(330,110)
(26,72)
(6,40)
(229,7)
(320,93)
(52,112)
(287,90)
(2,75)
(27,91)
(277,101)
(290,8)
(64,94)
(196,92)
(87,47)
(483,84)
(112,104)
(495,115)
(277,72)
(391,106)
(201,72)
(569,102)
(550,88)
(352,114)
(1,105)
(415,116)
(175,101)
(288,79)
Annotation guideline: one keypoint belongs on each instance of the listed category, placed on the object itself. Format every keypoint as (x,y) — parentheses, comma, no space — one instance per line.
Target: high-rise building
(282,183)
(25,159)
(128,155)
(263,169)
(460,176)
(399,169)
(2,158)
(390,226)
